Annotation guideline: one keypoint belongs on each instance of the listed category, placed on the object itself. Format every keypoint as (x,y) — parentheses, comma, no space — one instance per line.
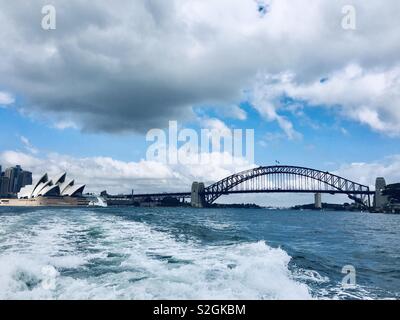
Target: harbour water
(184,253)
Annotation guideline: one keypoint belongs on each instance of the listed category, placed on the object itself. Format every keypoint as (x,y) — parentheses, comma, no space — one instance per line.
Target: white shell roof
(58,186)
(60,178)
(71,191)
(26,192)
(50,189)
(65,185)
(43,179)
(39,188)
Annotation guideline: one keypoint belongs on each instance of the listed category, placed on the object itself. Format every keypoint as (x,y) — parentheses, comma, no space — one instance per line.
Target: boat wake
(84,255)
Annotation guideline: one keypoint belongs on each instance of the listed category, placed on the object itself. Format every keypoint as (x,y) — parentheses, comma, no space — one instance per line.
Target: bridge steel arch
(268,179)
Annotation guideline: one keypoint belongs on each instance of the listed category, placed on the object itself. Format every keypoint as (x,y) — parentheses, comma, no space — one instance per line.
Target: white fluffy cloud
(28,146)
(366,173)
(6,98)
(266,98)
(233,112)
(100,173)
(371,97)
(134,65)
(215,124)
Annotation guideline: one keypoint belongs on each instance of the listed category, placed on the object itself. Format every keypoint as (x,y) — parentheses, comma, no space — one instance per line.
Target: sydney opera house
(45,187)
(58,191)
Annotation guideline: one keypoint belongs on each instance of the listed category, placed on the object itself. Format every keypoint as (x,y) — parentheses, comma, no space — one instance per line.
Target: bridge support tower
(198,199)
(380,201)
(318,201)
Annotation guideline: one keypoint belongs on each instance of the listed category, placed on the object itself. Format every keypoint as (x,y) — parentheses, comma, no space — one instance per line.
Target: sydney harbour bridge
(271,179)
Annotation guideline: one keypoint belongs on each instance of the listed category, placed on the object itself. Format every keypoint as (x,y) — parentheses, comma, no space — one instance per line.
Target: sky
(81,98)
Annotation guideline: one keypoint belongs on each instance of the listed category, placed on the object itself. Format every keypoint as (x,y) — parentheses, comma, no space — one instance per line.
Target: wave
(87,255)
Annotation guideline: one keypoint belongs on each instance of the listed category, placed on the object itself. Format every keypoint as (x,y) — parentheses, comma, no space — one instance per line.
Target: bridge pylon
(380,201)
(198,198)
(318,201)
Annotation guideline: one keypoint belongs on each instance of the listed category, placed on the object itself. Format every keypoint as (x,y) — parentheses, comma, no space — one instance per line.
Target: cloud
(265,99)
(65,124)
(11,158)
(233,112)
(271,138)
(28,146)
(371,97)
(366,173)
(238,113)
(6,98)
(100,173)
(134,65)
(216,125)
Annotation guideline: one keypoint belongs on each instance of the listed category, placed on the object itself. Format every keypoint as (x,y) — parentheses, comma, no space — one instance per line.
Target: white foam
(217,225)
(131,260)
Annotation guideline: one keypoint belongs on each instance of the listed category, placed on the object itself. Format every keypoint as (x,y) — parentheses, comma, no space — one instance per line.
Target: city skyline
(182,154)
(335,110)
(13,179)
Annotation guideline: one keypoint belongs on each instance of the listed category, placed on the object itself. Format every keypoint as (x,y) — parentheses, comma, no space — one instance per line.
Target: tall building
(13,174)
(26,179)
(17,179)
(392,191)
(4,181)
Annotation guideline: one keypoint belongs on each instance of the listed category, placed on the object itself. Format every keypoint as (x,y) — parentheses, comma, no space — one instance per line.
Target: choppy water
(138,253)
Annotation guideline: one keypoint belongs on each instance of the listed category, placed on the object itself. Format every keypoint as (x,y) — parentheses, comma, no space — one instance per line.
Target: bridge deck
(188,194)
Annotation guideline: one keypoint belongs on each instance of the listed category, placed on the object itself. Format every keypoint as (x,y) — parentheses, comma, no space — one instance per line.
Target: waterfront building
(4,182)
(392,191)
(56,187)
(17,178)
(12,174)
(26,179)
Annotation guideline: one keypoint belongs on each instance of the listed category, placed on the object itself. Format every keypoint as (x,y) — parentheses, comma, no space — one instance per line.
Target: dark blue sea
(183,253)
